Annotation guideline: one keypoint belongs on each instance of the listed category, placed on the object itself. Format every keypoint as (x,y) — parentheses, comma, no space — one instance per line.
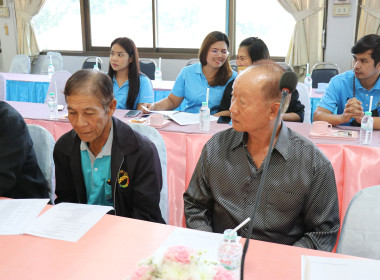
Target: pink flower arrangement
(181,263)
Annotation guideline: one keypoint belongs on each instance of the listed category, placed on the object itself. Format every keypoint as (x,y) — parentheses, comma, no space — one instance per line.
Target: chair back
(157,139)
(360,232)
(90,61)
(148,67)
(57,84)
(192,61)
(57,60)
(20,64)
(234,65)
(43,143)
(304,98)
(287,67)
(3,88)
(324,74)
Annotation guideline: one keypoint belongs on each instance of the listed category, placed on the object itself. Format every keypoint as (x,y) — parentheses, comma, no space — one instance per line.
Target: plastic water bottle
(308,83)
(51,68)
(53,108)
(158,74)
(96,68)
(230,252)
(366,129)
(204,117)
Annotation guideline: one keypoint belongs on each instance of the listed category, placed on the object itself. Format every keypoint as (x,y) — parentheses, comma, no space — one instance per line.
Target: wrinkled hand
(353,109)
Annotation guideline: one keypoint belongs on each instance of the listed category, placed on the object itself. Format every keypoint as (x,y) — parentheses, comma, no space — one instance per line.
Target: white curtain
(26,40)
(306,43)
(369,22)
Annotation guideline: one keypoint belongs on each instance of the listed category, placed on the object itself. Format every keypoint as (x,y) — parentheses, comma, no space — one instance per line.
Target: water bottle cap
(51,93)
(368,113)
(228,235)
(308,75)
(204,104)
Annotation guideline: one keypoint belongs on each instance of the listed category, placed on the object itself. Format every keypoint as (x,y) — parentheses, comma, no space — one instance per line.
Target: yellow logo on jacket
(123,179)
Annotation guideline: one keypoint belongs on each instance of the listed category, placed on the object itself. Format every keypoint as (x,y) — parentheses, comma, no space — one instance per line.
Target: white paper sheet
(195,239)
(17,214)
(182,118)
(67,221)
(317,268)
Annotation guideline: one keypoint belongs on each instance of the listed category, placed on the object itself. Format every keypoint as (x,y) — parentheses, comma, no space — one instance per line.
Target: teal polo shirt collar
(106,150)
(97,173)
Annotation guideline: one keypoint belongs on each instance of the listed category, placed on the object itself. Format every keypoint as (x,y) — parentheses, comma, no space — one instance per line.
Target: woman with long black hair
(131,88)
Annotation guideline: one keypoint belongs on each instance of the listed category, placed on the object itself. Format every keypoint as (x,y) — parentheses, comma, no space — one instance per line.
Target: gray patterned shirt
(299,202)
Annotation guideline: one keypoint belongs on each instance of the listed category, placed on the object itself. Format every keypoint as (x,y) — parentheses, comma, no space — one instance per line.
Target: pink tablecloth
(112,248)
(355,166)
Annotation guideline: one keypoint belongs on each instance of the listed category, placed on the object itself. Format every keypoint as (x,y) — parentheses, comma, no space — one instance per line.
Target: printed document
(67,221)
(17,214)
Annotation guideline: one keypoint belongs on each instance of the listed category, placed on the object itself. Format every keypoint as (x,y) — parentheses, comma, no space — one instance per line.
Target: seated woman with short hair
(251,50)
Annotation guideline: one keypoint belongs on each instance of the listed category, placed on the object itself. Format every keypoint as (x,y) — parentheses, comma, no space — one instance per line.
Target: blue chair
(20,64)
(157,139)
(234,65)
(323,75)
(43,144)
(360,233)
(148,67)
(89,62)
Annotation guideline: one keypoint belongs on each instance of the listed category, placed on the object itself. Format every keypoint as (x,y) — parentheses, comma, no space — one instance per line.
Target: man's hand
(353,109)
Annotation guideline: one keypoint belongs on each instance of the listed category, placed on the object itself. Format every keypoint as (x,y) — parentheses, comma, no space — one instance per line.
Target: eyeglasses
(222,53)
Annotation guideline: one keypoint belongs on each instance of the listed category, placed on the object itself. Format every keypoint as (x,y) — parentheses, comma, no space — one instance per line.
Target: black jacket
(133,155)
(20,175)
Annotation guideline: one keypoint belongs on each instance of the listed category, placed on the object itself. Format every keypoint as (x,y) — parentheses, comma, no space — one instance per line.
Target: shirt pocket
(283,211)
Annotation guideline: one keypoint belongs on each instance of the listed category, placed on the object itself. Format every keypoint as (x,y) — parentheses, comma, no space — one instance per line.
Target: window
(121,18)
(186,23)
(266,20)
(160,27)
(58,26)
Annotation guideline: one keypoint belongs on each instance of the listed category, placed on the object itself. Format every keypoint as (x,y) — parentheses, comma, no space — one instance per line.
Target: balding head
(268,74)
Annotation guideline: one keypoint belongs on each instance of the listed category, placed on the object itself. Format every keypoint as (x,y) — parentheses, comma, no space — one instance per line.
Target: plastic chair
(192,61)
(57,60)
(57,84)
(157,139)
(324,75)
(285,66)
(90,61)
(20,64)
(148,67)
(304,98)
(360,233)
(234,65)
(43,143)
(3,88)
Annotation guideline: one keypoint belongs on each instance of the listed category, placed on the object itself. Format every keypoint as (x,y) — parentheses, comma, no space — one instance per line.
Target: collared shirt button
(96,169)
(251,202)
(245,229)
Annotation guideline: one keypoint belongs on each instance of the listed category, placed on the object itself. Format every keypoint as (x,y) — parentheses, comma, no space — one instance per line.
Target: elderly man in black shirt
(299,202)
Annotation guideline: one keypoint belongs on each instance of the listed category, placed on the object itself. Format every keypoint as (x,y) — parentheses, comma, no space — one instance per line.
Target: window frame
(155,52)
